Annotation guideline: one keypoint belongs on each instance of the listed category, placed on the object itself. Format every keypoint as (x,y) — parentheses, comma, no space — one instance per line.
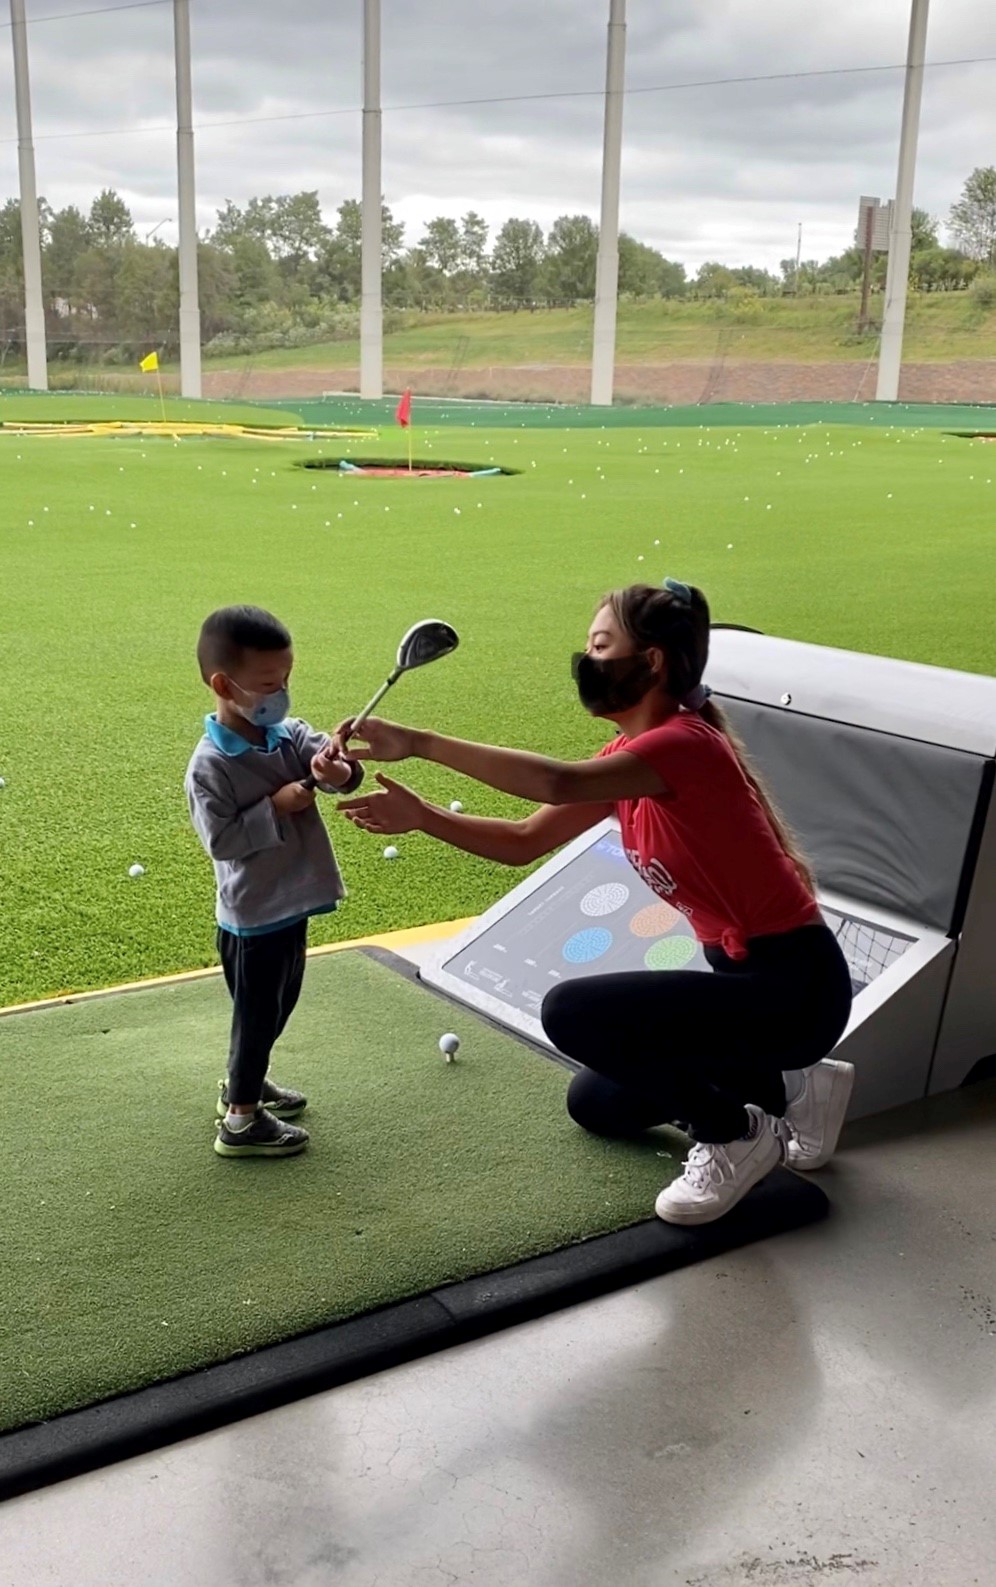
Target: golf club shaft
(358,721)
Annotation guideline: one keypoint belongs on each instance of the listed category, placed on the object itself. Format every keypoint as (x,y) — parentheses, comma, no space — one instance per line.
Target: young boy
(272,858)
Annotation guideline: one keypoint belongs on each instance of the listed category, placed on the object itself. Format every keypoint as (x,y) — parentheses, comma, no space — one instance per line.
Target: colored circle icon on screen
(670,953)
(654,920)
(605,899)
(586,946)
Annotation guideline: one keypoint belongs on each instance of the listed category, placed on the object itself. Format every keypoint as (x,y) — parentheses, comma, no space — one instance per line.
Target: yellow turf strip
(395,940)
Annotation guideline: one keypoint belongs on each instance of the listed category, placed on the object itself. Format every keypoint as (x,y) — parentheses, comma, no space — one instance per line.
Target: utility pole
(371,255)
(34,301)
(890,358)
(603,352)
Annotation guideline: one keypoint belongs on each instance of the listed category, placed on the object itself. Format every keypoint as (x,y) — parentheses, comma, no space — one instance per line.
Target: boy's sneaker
(283,1104)
(816,1117)
(266,1136)
(717,1177)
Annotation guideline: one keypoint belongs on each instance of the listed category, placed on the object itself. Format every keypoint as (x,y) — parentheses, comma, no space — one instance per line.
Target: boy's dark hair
(228,633)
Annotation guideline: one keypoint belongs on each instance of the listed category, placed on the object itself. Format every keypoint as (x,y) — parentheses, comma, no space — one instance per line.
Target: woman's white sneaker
(717,1177)
(815,1118)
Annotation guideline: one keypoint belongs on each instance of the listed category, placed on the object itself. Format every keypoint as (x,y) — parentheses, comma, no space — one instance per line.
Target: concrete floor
(816,1411)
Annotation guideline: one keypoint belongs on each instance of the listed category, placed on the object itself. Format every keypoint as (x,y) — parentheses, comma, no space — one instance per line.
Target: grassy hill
(941,328)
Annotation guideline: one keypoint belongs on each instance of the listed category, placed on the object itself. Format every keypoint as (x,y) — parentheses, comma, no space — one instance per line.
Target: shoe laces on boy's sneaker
(716,1176)
(265,1136)
(278,1100)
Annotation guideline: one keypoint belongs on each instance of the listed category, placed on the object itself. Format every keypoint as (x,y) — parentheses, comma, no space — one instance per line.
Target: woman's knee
(559,1016)
(586,1101)
(602,1107)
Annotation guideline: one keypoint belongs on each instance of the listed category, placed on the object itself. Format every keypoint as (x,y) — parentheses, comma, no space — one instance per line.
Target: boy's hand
(292,798)
(329,767)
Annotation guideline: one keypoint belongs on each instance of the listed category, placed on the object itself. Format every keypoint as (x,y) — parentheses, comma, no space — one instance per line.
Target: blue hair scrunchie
(696,698)
(680,591)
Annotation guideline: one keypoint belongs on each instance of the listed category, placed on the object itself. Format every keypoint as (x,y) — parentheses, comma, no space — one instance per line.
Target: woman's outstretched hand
(397,809)
(379,740)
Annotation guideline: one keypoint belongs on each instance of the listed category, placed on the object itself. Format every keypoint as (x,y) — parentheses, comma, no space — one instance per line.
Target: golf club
(424,642)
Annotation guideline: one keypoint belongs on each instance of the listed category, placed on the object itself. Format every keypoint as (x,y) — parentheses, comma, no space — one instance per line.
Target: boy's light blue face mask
(266,710)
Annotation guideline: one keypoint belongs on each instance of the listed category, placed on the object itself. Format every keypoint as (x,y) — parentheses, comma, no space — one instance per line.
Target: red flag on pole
(404,413)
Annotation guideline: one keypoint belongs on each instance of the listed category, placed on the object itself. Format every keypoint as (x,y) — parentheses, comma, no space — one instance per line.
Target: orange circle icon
(654,920)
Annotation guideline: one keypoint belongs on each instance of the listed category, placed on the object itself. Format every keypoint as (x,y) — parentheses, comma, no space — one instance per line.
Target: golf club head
(424,642)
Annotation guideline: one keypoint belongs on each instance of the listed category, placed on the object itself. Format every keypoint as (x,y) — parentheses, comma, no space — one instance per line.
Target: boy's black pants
(264,976)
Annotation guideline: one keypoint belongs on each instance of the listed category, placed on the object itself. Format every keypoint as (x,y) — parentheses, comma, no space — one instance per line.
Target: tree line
(276,272)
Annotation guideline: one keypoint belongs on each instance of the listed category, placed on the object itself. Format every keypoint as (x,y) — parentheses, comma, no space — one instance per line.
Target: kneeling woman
(733,1055)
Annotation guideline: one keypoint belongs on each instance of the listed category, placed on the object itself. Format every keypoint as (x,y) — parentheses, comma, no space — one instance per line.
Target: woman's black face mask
(607,687)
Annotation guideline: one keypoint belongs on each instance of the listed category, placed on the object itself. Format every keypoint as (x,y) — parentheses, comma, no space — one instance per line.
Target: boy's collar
(231,743)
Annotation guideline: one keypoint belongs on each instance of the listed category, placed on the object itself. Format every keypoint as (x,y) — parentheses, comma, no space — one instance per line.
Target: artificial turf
(114,550)
(133,1253)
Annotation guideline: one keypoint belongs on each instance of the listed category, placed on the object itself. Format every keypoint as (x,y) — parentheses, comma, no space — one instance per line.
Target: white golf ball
(449,1046)
(3,782)
(456,807)
(390,853)
(136,870)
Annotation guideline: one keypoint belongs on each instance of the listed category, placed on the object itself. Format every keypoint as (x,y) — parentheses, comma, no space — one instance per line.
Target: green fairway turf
(60,407)
(126,1266)
(866,539)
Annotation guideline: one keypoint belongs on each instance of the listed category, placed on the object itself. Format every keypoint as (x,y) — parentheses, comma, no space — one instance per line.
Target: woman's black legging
(690,1047)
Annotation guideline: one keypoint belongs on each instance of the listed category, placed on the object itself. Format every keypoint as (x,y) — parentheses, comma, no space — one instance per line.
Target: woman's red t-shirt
(708,847)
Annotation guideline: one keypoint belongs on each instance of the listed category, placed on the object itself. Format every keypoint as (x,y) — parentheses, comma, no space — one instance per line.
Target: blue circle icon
(585,946)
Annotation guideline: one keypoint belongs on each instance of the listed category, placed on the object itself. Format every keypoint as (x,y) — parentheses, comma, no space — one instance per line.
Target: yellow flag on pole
(149,364)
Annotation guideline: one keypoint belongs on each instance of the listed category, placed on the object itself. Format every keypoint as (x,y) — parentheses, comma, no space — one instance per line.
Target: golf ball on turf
(390,853)
(456,807)
(3,782)
(449,1046)
(136,870)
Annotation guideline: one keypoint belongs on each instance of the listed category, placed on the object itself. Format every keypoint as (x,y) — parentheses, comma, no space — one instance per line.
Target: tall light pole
(371,247)
(34,302)
(603,350)
(890,358)
(190,313)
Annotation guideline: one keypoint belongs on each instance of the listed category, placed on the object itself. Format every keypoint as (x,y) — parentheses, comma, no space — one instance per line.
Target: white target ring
(605,899)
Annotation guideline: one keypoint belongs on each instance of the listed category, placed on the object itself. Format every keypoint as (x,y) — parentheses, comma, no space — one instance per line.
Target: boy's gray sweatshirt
(269,868)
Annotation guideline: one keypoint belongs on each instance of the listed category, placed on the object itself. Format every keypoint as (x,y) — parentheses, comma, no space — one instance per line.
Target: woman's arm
(603,779)
(513,842)
(398,809)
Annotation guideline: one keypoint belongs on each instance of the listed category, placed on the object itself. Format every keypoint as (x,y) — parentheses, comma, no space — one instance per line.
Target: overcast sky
(714,172)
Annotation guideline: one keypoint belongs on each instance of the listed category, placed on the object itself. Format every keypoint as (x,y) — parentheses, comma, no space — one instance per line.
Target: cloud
(720,171)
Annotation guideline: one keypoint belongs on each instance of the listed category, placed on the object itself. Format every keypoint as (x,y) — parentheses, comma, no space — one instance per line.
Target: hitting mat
(151,1289)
